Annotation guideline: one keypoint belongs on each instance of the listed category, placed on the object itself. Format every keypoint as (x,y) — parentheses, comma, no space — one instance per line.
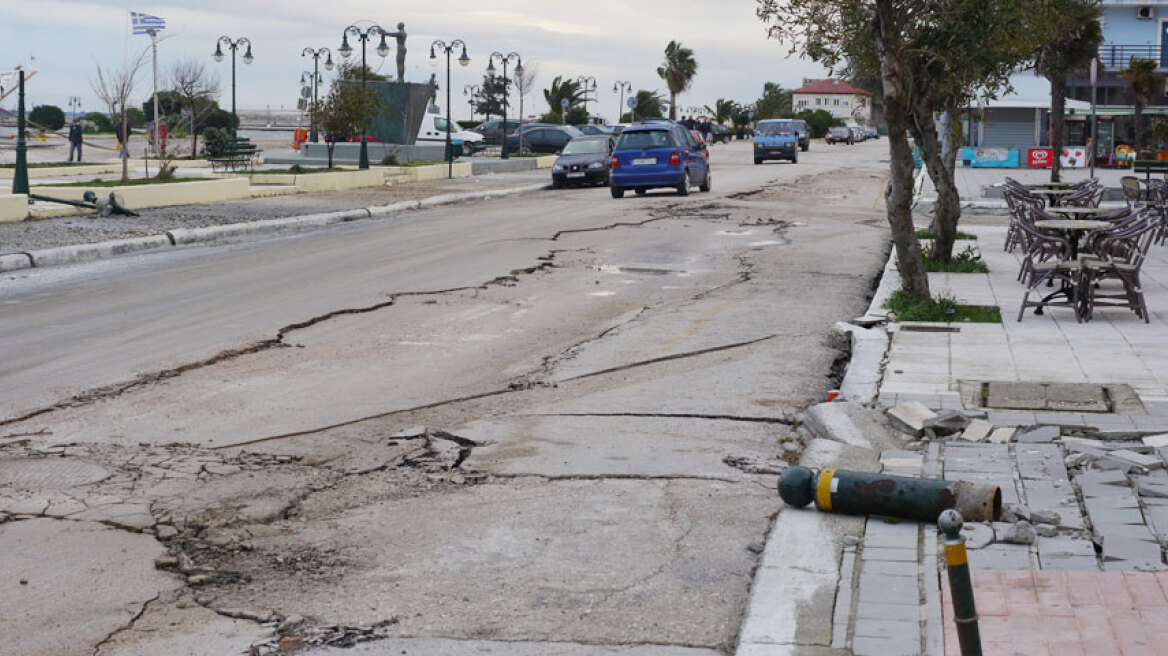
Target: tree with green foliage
(101,122)
(818,121)
(775,102)
(562,89)
(347,111)
(47,117)
(650,104)
(575,116)
(169,104)
(492,97)
(722,110)
(1070,49)
(678,71)
(1145,85)
(351,71)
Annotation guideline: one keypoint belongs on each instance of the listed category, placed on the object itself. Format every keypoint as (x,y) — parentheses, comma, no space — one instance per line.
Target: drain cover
(49,473)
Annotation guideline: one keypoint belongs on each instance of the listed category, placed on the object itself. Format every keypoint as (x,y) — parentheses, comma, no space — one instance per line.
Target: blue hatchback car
(776,139)
(658,155)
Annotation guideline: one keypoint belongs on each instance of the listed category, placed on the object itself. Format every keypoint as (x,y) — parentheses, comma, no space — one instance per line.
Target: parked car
(840,134)
(804,134)
(433,132)
(590,129)
(494,131)
(775,139)
(542,138)
(720,133)
(858,133)
(872,133)
(658,155)
(585,160)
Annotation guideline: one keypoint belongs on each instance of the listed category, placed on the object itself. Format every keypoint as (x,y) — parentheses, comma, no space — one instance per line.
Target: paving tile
(902,535)
(891,568)
(868,646)
(890,589)
(879,610)
(882,553)
(909,631)
(1060,418)
(1011,418)
(1145,591)
(1002,557)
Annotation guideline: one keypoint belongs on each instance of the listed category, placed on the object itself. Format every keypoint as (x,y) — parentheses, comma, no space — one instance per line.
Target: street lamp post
(505,59)
(463,60)
(346,50)
(74,106)
(247,59)
(328,66)
(587,83)
(622,86)
(472,91)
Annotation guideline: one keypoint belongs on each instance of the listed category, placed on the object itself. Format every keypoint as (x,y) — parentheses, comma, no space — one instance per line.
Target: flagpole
(157,123)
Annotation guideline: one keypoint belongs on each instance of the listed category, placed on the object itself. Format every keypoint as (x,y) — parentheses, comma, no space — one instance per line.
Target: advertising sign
(991,157)
(1074,157)
(1040,158)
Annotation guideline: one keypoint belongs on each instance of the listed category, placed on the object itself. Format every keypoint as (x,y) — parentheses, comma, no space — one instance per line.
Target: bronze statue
(400,36)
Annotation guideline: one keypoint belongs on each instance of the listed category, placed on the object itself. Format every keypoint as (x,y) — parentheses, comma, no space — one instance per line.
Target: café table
(1053,195)
(1073,229)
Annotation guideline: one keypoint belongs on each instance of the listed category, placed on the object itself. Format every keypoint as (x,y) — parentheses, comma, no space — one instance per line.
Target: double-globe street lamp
(587,85)
(471,91)
(622,86)
(463,60)
(328,66)
(505,59)
(247,59)
(346,50)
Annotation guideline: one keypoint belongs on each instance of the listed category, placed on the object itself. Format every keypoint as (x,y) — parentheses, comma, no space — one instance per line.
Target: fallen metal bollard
(960,583)
(861,493)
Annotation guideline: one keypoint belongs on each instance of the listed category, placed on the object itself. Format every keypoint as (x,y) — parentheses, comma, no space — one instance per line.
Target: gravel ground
(86,229)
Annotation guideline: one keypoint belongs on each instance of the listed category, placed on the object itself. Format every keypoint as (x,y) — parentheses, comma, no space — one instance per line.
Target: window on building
(817,102)
(837,102)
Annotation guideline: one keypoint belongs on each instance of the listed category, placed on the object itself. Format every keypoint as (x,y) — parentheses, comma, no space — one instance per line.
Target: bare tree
(197,89)
(525,82)
(113,87)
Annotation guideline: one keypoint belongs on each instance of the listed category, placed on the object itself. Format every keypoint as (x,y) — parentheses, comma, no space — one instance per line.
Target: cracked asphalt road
(551,419)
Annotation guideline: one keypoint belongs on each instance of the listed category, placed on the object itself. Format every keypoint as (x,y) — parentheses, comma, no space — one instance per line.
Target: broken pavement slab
(910,417)
(89,577)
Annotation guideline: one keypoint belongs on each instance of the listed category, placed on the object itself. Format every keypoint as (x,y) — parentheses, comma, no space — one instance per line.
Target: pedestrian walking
(76,138)
(704,127)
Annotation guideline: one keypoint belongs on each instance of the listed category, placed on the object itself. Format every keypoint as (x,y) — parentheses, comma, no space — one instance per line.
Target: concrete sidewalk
(1069,419)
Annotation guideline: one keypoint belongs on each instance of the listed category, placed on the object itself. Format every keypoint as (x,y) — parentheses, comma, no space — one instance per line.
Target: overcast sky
(607,39)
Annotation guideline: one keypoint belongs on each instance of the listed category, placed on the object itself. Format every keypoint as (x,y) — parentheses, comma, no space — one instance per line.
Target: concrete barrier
(15,261)
(162,195)
(83,252)
(13,207)
(545,162)
(430,171)
(187,236)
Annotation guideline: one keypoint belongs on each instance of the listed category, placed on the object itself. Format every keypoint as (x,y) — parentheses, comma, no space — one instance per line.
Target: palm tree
(722,110)
(1076,42)
(648,106)
(561,89)
(678,71)
(1145,86)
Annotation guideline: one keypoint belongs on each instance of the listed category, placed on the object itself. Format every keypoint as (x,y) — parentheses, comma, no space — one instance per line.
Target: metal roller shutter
(1009,128)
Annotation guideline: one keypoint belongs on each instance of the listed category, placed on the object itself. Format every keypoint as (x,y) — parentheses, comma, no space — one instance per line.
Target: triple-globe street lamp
(247,59)
(587,85)
(463,60)
(622,86)
(346,50)
(505,59)
(316,79)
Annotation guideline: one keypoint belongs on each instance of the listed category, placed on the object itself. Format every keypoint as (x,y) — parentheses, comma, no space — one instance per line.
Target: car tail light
(674,159)
(615,162)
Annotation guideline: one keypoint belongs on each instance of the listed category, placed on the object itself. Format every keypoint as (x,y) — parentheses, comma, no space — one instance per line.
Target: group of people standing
(701,125)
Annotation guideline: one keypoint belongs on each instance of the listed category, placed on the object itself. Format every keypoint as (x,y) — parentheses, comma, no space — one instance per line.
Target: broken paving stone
(947,422)
(1045,530)
(1077,460)
(1156,441)
(1039,434)
(1020,532)
(1002,435)
(1138,459)
(910,417)
(978,430)
(1045,517)
(977,535)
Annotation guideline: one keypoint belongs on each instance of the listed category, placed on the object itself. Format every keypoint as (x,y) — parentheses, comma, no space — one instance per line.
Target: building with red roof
(840,99)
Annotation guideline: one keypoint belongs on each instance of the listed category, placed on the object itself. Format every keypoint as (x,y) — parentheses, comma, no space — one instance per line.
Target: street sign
(306,92)
(564,103)
(632,102)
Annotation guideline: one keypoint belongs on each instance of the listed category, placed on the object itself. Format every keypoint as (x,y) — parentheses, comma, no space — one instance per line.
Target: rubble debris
(910,417)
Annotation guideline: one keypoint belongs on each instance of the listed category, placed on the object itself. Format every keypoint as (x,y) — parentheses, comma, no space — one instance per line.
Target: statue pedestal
(403,108)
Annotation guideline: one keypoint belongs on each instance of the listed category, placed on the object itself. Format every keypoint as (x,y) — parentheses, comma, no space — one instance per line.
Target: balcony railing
(1115,56)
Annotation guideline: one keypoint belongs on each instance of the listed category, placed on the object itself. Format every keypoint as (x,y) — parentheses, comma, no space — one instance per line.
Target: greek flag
(144,23)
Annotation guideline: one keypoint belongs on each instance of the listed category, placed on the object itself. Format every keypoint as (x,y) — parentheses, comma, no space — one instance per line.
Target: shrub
(49,117)
(215,141)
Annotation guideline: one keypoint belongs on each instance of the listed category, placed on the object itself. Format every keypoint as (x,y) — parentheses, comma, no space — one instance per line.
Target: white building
(840,99)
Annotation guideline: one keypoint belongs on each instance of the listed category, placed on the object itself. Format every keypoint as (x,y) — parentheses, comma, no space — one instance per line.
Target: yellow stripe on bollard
(955,555)
(823,489)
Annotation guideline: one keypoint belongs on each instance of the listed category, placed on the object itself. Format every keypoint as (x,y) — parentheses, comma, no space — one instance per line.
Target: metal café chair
(1118,255)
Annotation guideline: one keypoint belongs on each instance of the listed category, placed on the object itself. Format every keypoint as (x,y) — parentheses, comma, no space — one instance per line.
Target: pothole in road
(650,271)
(49,473)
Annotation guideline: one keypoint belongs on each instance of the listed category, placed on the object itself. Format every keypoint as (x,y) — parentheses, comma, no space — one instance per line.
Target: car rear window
(644,139)
(772,129)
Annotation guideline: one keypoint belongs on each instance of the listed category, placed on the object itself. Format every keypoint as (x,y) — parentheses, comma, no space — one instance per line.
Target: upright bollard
(960,583)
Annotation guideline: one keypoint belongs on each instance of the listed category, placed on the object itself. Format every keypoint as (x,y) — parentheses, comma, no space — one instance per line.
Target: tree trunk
(898,194)
(947,209)
(1058,111)
(672,105)
(331,145)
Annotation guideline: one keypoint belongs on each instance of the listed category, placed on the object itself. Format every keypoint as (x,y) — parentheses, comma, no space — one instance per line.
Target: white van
(433,132)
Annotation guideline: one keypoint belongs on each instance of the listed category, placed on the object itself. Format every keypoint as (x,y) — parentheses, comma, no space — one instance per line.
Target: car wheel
(705,186)
(757,160)
(795,158)
(526,150)
(640,192)
(556,185)
(683,188)
(606,181)
(617,192)
(468,149)
(805,147)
